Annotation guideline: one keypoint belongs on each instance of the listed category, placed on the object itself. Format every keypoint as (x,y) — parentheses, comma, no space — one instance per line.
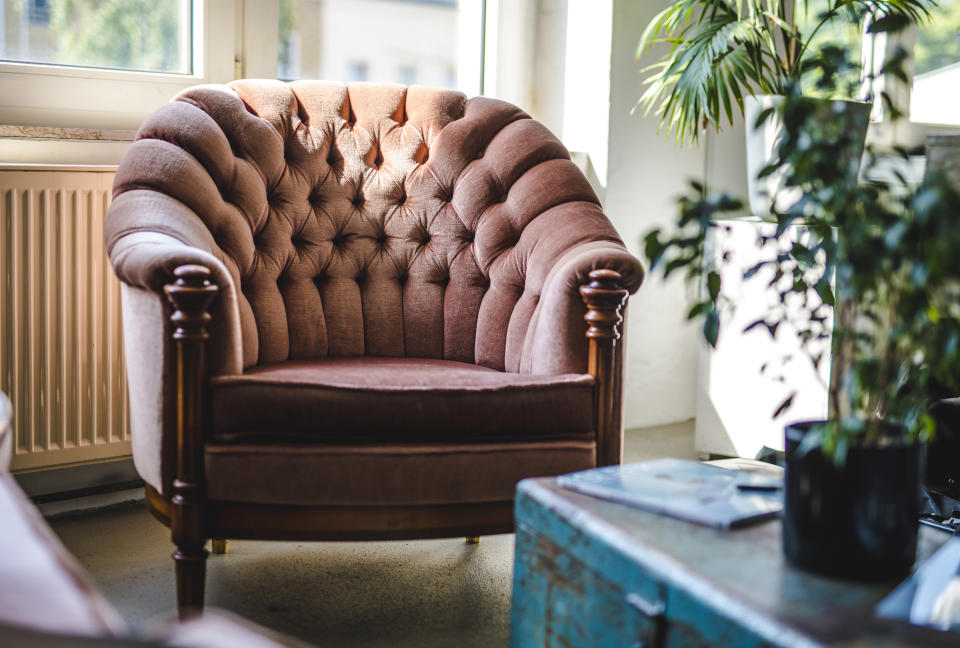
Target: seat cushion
(384,475)
(360,400)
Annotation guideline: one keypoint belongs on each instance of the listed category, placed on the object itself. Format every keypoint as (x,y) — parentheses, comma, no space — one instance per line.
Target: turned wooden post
(190,296)
(604,297)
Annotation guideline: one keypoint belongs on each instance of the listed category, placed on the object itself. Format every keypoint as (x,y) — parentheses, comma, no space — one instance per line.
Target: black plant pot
(858,520)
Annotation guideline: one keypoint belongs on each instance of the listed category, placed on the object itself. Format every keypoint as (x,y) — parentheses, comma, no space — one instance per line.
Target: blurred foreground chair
(373,324)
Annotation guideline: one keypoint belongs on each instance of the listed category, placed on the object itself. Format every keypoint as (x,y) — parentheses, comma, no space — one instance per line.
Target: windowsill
(52,146)
(49,132)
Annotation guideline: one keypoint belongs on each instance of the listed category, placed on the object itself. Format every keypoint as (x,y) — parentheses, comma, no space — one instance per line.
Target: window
(108,63)
(357,71)
(836,32)
(935,94)
(422,34)
(141,35)
(934,91)
(407,75)
(38,12)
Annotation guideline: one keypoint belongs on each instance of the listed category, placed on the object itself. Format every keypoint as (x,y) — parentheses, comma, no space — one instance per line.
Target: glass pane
(141,35)
(402,41)
(839,31)
(936,83)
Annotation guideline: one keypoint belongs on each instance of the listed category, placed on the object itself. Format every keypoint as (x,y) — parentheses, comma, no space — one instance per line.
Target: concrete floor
(421,593)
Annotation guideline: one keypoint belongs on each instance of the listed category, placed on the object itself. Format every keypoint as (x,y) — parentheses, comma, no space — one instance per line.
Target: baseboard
(79,481)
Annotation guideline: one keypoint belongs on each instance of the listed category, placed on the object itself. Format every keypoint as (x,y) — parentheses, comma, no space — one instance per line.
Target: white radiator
(61,352)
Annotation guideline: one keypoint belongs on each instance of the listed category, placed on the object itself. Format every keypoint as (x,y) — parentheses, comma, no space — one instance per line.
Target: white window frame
(906,133)
(63,96)
(232,39)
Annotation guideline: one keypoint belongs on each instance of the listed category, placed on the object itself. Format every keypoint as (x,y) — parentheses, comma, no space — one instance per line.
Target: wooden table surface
(742,572)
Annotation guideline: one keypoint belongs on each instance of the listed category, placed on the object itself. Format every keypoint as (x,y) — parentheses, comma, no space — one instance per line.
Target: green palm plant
(720,51)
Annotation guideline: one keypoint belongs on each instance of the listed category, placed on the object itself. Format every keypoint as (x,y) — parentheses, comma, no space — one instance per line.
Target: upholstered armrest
(145,257)
(555,341)
(148,236)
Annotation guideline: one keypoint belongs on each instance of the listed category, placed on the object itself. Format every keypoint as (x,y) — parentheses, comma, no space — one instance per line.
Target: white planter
(762,143)
(735,399)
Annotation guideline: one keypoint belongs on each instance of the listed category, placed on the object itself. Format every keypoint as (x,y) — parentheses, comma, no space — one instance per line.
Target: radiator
(61,351)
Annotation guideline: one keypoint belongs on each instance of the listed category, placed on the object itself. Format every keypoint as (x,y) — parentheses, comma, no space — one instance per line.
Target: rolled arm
(556,342)
(149,235)
(577,328)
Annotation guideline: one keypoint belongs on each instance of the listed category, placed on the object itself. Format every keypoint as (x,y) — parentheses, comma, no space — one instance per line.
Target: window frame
(904,132)
(35,94)
(232,39)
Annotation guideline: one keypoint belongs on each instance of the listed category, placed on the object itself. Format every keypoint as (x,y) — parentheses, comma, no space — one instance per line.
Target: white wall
(647,172)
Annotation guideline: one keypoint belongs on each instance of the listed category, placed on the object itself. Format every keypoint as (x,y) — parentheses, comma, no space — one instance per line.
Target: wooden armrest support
(604,297)
(190,296)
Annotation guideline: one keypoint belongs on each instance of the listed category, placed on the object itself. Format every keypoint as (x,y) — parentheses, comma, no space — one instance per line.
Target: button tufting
(357,201)
(381,238)
(479,155)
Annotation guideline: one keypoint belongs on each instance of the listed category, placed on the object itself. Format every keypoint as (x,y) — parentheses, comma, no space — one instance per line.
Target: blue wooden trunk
(595,573)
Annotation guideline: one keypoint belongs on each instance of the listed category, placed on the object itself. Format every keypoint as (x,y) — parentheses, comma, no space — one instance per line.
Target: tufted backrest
(371,219)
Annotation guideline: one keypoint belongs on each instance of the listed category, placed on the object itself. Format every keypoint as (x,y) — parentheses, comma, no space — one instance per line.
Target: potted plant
(875,278)
(725,57)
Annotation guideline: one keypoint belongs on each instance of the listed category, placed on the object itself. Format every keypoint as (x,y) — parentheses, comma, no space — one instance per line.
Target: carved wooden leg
(191,578)
(473,539)
(604,297)
(218,547)
(190,295)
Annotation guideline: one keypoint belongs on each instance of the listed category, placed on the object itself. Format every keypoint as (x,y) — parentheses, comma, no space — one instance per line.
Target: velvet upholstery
(347,224)
(46,599)
(357,400)
(41,585)
(384,474)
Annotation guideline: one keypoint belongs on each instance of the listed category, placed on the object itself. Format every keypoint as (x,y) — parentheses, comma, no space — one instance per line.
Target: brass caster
(218,547)
(473,539)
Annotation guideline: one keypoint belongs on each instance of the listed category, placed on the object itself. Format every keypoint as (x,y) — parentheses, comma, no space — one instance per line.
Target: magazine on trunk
(688,490)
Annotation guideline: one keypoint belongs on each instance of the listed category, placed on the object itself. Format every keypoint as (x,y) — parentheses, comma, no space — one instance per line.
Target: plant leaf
(711,327)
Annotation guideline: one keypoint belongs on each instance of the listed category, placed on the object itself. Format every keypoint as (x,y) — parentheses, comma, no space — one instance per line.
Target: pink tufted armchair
(373,324)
